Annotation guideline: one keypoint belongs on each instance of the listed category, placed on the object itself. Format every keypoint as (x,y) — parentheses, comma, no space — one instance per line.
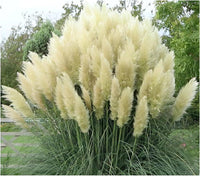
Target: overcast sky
(12,11)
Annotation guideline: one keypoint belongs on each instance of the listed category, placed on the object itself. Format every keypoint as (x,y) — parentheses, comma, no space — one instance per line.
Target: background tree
(72,9)
(39,41)
(134,6)
(180,22)
(12,49)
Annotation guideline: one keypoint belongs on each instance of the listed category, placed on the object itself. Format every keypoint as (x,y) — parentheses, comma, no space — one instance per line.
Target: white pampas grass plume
(141,117)
(168,62)
(14,115)
(17,101)
(126,69)
(68,93)
(159,87)
(105,78)
(98,100)
(115,94)
(184,99)
(59,99)
(30,80)
(124,106)
(25,85)
(144,89)
(107,51)
(95,54)
(46,79)
(38,98)
(86,76)
(86,97)
(81,115)
(42,75)
(30,71)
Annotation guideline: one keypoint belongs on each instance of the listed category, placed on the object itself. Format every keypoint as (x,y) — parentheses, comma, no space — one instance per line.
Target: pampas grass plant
(102,101)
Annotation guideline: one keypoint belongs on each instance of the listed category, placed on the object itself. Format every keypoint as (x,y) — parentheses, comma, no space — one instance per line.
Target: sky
(12,11)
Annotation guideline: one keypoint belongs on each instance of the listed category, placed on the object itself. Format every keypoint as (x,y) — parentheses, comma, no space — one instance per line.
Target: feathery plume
(86,97)
(141,117)
(17,101)
(144,89)
(159,87)
(95,60)
(124,106)
(126,69)
(184,99)
(168,62)
(59,99)
(14,115)
(68,93)
(46,80)
(105,78)
(107,51)
(81,115)
(86,76)
(98,99)
(115,94)
(25,85)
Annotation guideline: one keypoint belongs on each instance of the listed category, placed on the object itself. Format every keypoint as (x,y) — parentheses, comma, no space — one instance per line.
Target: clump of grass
(102,99)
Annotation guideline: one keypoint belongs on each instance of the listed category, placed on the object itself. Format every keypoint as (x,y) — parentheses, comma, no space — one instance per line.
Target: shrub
(103,98)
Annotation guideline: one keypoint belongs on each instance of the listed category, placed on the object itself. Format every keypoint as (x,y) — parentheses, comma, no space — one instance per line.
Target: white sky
(11,12)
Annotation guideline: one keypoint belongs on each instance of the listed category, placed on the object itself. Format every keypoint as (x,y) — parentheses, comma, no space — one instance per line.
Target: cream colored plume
(46,80)
(68,94)
(95,55)
(184,99)
(14,115)
(169,62)
(98,100)
(29,82)
(17,101)
(105,78)
(86,97)
(159,87)
(141,117)
(115,94)
(126,69)
(25,85)
(144,89)
(65,54)
(30,71)
(124,106)
(107,51)
(86,76)
(45,75)
(81,115)
(59,99)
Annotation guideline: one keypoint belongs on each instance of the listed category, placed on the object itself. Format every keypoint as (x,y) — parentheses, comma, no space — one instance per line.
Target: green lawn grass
(26,139)
(188,140)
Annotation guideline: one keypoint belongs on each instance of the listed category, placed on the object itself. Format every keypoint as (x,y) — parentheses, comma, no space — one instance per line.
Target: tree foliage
(12,49)
(134,6)
(72,10)
(39,41)
(180,21)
